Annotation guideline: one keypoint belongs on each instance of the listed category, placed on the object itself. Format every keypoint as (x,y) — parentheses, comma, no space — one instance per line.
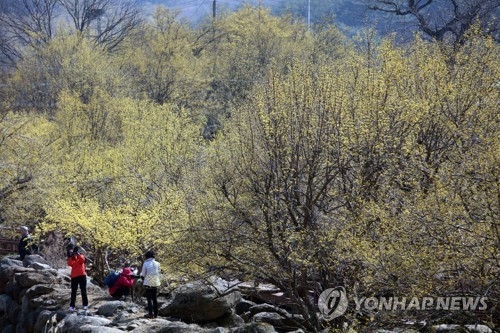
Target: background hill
(350,16)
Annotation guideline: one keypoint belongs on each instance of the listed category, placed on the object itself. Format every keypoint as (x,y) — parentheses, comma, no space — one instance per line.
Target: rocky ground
(34,297)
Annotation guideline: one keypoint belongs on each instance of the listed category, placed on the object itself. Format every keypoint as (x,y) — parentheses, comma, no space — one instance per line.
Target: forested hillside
(252,148)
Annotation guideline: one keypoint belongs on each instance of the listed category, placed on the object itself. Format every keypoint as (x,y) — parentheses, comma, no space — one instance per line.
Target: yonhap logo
(333,303)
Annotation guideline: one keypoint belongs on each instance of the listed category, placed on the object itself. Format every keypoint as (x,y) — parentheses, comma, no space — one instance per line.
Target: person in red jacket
(123,284)
(78,277)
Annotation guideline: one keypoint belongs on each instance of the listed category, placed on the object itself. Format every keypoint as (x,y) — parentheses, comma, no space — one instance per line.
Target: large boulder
(34,258)
(29,279)
(110,308)
(60,297)
(9,262)
(39,289)
(200,303)
(8,267)
(72,323)
(41,267)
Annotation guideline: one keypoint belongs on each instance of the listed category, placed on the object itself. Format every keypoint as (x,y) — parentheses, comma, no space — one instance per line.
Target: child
(78,277)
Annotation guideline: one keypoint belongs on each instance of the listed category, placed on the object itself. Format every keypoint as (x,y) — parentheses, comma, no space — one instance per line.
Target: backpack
(111,279)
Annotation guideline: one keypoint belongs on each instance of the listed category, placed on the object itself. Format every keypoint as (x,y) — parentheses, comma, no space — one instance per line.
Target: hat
(127,271)
(25,228)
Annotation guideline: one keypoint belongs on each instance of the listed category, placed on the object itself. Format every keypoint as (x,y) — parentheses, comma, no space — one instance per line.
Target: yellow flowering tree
(375,172)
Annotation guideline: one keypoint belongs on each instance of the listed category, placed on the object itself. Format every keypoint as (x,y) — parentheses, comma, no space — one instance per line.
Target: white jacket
(151,273)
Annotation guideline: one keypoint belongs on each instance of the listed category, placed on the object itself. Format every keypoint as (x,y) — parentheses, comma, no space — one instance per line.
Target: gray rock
(60,297)
(46,319)
(34,258)
(478,328)
(199,303)
(72,323)
(132,326)
(243,306)
(219,330)
(110,308)
(9,262)
(5,303)
(40,267)
(272,318)
(29,279)
(449,328)
(98,329)
(264,308)
(37,290)
(231,320)
(121,317)
(133,309)
(8,268)
(282,320)
(256,328)
(246,316)
(165,326)
(94,288)
(13,290)
(64,271)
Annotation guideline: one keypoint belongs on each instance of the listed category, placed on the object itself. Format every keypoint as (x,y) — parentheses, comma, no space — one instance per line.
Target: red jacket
(122,281)
(77,264)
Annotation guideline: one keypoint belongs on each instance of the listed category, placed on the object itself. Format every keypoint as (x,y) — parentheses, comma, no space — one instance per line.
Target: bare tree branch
(110,21)
(25,23)
(428,14)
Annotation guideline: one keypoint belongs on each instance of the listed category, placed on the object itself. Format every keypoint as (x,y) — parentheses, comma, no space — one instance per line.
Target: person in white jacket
(151,280)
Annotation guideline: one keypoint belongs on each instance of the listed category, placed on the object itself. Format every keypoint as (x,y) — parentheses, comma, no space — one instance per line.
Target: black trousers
(82,282)
(151,296)
(120,292)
